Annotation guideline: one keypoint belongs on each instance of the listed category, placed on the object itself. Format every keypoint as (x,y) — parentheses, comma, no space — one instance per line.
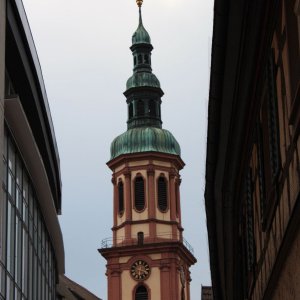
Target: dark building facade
(253,149)
(31,245)
(206,293)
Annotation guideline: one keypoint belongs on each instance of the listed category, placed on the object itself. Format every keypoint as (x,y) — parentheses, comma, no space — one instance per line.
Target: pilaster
(151,200)
(179,204)
(165,281)
(114,284)
(128,203)
(115,206)
(173,202)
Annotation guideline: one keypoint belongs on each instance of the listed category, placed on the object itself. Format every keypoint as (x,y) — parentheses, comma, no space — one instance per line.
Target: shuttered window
(121,197)
(251,258)
(152,108)
(130,110)
(139,193)
(261,176)
(162,193)
(141,293)
(273,125)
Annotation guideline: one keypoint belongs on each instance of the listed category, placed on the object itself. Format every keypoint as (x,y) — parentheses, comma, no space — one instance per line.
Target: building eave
(162,247)
(146,155)
(19,37)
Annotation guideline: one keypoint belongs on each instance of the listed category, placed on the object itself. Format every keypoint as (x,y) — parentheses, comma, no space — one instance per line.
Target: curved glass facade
(27,262)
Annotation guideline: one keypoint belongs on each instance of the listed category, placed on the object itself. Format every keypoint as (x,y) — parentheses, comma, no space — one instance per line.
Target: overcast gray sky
(83,46)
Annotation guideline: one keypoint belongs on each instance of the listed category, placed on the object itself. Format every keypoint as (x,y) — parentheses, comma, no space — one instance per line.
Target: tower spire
(140,3)
(145,161)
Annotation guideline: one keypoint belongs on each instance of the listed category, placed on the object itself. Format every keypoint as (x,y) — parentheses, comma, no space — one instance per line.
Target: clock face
(140,270)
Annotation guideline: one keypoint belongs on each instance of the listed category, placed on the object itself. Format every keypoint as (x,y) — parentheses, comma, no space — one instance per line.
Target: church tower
(147,258)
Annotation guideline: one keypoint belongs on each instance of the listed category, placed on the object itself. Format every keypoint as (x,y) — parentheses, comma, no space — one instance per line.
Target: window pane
(9,289)
(3,207)
(10,242)
(25,247)
(25,262)
(2,281)
(18,253)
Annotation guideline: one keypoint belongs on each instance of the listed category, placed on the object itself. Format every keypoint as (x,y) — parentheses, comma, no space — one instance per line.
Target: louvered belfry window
(121,197)
(141,293)
(139,191)
(162,193)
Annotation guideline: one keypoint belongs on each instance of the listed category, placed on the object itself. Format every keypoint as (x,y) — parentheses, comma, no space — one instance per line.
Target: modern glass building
(32,262)
(32,253)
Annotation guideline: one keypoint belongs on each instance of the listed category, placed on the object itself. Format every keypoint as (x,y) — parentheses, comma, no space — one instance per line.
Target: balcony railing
(163,237)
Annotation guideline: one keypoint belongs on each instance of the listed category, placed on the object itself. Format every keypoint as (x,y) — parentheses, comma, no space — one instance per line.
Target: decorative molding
(150,170)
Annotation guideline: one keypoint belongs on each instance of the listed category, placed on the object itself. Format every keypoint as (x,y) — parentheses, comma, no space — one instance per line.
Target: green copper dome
(144,139)
(141,36)
(142,79)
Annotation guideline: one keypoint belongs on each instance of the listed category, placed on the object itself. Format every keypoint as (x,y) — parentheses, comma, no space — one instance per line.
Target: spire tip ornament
(139,3)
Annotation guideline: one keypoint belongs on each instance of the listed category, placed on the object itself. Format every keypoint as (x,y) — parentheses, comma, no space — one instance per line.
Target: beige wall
(120,235)
(153,282)
(139,227)
(164,230)
(138,163)
(124,260)
(162,163)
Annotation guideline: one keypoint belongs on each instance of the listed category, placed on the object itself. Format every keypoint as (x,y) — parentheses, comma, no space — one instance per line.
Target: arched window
(141,293)
(152,108)
(121,197)
(146,59)
(162,193)
(134,59)
(140,108)
(140,237)
(130,110)
(140,59)
(139,197)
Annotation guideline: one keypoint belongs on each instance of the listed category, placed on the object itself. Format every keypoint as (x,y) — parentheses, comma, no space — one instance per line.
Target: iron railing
(163,237)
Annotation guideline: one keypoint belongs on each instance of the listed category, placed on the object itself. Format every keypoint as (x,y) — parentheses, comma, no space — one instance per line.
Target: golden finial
(139,3)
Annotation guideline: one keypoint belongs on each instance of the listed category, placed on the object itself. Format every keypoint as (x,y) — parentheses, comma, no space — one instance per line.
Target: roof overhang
(176,159)
(24,68)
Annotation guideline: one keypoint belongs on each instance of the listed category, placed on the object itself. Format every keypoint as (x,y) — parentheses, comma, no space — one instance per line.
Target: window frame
(139,175)
(142,285)
(121,211)
(162,176)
